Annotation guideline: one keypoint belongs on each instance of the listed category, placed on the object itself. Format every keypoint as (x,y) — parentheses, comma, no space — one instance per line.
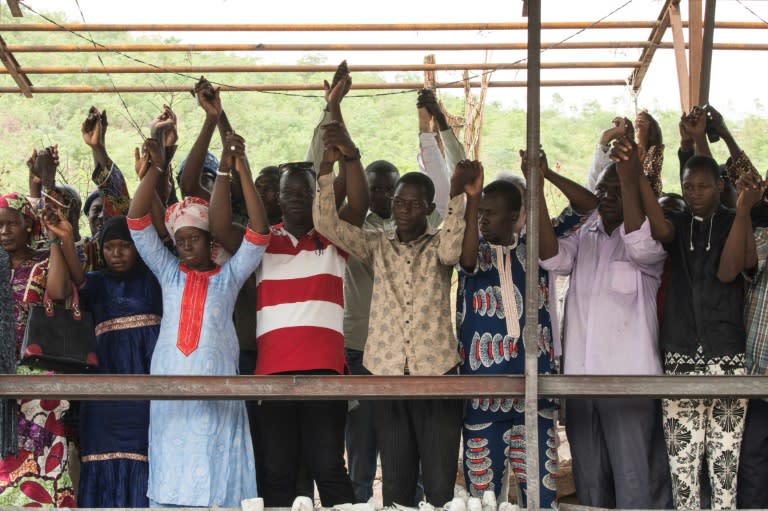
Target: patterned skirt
(38,474)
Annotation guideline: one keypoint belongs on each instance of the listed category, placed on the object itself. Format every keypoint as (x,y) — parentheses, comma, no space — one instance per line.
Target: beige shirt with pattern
(410,319)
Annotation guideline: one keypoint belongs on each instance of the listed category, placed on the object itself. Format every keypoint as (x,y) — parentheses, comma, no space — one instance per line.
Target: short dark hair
(269,171)
(701,162)
(508,190)
(297,166)
(672,195)
(72,200)
(89,200)
(418,179)
(382,167)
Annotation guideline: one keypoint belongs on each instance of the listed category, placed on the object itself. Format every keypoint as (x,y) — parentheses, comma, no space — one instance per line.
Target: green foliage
(278,126)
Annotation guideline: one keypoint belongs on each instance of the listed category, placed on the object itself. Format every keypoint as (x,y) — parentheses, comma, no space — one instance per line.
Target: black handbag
(60,338)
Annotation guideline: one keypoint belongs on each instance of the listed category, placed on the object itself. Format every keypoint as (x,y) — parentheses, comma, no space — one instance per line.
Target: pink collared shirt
(611,325)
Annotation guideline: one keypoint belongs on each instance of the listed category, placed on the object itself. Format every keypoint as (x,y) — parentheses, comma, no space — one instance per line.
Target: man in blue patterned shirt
(490,322)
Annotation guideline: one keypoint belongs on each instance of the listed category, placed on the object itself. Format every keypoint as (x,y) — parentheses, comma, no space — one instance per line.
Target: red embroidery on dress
(192,308)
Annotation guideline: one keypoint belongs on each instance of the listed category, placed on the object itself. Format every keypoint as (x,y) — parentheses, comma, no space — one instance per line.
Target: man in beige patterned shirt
(409,331)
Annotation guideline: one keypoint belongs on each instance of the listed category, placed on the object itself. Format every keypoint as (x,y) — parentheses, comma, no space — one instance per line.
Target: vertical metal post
(678,42)
(706,50)
(531,332)
(694,49)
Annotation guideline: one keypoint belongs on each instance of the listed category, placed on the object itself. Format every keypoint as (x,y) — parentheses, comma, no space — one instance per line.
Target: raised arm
(629,171)
(334,93)
(735,258)
(229,234)
(336,138)
(94,130)
(163,128)
(257,217)
(209,100)
(64,265)
(325,215)
(600,158)
(474,189)
(432,159)
(42,172)
(35,181)
(453,150)
(650,149)
(695,124)
(157,210)
(582,201)
(547,239)
(106,175)
(152,168)
(717,123)
(661,229)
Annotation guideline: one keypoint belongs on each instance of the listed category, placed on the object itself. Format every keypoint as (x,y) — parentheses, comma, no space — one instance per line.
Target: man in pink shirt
(615,266)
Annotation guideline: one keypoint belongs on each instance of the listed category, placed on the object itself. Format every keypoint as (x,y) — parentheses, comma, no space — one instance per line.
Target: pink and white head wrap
(193,212)
(190,212)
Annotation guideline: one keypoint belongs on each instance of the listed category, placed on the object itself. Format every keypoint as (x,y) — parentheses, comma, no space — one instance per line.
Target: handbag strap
(74,304)
(48,304)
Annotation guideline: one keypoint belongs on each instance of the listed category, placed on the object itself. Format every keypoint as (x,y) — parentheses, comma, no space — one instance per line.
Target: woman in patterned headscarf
(34,471)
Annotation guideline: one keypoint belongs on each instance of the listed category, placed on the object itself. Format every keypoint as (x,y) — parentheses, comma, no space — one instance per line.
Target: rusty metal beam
(680,56)
(262,87)
(695,47)
(13,5)
(12,66)
(313,27)
(122,387)
(318,68)
(262,47)
(178,47)
(257,387)
(349,27)
(657,33)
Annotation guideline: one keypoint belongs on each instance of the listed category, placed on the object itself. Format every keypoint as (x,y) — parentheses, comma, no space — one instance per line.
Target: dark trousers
(619,455)
(293,433)
(413,431)
(304,485)
(362,451)
(752,485)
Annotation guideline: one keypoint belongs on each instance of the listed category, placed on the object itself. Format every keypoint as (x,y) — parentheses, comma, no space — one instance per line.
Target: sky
(732,90)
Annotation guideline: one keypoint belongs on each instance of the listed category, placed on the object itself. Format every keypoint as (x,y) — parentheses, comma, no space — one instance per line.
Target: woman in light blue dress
(200,452)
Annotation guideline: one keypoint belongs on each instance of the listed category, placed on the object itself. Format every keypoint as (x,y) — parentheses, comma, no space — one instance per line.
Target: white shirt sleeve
(433,164)
(600,159)
(454,150)
(315,150)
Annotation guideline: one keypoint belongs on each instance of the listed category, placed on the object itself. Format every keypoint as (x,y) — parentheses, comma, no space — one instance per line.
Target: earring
(29,229)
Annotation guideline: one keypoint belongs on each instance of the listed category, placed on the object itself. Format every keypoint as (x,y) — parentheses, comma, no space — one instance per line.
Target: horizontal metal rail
(89,387)
(343,27)
(262,87)
(319,68)
(262,47)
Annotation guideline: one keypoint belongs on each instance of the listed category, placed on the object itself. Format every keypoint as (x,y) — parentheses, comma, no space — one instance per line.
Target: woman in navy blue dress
(126,303)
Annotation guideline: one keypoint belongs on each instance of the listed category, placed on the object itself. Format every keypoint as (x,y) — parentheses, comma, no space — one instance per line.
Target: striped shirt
(300,304)
(756,309)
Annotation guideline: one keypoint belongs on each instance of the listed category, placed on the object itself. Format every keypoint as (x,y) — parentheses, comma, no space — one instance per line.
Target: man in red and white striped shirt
(299,318)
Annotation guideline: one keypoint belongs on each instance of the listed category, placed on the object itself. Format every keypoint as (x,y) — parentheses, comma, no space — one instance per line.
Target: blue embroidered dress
(113,434)
(200,452)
